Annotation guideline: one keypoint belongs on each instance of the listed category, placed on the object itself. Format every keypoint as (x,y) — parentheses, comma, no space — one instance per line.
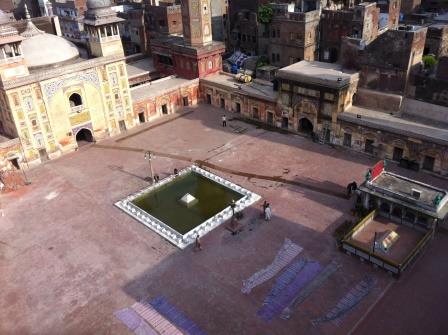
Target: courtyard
(69,259)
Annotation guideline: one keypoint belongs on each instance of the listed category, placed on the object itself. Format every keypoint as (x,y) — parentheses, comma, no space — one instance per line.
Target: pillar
(366,200)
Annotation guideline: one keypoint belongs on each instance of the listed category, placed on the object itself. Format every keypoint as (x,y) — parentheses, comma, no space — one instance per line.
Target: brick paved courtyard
(69,259)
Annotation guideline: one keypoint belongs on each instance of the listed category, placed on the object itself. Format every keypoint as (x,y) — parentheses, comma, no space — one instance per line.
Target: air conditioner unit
(416,193)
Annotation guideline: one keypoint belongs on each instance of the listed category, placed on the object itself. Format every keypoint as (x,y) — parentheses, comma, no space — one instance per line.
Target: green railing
(420,245)
(369,216)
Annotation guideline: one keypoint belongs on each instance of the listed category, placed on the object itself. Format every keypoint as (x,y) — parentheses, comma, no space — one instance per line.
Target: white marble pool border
(176,238)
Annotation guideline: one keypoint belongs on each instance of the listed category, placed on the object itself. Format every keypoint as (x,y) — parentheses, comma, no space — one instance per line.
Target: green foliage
(429,61)
(262,61)
(265,14)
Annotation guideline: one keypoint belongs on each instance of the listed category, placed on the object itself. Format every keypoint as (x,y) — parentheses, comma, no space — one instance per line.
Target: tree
(429,61)
(265,14)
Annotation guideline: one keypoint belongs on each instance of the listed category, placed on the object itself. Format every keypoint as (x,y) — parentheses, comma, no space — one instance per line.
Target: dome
(41,49)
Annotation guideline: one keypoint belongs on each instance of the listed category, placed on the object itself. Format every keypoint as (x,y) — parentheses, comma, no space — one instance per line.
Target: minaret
(197,22)
(12,62)
(101,26)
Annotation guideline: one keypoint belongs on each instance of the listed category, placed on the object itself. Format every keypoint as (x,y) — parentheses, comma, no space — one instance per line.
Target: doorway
(164,109)
(141,117)
(397,154)
(83,137)
(185,100)
(333,55)
(347,139)
(238,107)
(209,99)
(122,125)
(270,119)
(285,122)
(15,163)
(305,125)
(43,155)
(223,103)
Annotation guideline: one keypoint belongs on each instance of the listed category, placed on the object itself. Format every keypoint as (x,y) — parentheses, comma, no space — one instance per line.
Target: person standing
(232,206)
(224,121)
(268,212)
(265,204)
(198,244)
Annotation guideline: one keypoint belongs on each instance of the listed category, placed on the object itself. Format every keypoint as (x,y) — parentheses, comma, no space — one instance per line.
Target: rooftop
(442,18)
(158,87)
(400,189)
(177,42)
(319,73)
(140,67)
(384,121)
(258,88)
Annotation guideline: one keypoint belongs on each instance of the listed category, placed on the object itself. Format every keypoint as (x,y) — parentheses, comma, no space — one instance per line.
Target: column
(366,200)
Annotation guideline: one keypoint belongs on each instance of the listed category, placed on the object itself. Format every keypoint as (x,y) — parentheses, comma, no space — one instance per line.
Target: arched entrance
(83,137)
(305,125)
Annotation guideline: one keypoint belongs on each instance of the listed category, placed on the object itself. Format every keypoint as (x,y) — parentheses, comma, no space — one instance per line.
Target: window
(398,154)
(285,99)
(369,146)
(273,58)
(347,140)
(286,87)
(210,65)
(329,96)
(278,57)
(75,100)
(428,163)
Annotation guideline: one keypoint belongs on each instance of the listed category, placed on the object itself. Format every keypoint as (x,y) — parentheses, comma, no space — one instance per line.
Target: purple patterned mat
(134,322)
(283,293)
(179,319)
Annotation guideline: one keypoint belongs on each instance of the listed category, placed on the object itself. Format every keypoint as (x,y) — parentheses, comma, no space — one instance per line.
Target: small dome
(41,49)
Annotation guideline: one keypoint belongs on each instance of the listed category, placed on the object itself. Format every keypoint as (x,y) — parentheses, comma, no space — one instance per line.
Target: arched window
(75,100)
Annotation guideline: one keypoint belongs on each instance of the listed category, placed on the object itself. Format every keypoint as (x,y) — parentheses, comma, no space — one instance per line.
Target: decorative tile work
(51,89)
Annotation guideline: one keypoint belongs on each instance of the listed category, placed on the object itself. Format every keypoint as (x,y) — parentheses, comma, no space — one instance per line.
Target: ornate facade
(56,102)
